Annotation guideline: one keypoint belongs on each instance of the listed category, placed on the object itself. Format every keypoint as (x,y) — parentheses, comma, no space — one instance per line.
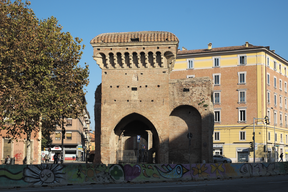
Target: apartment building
(76,141)
(17,148)
(249,82)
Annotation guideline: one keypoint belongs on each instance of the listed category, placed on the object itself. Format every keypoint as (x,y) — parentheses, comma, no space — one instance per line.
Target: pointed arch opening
(131,149)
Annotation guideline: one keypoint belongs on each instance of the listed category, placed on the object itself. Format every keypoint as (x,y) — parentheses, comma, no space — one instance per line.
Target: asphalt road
(254,184)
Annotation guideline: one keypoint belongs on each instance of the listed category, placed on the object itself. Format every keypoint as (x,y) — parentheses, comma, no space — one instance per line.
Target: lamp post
(266,118)
(63,136)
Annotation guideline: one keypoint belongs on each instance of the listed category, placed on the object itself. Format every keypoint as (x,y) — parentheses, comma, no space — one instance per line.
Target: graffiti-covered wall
(56,174)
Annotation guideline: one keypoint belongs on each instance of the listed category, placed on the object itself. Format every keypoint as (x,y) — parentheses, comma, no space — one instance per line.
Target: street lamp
(266,118)
(63,136)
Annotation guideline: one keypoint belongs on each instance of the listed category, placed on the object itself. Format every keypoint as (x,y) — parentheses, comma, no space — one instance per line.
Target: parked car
(221,159)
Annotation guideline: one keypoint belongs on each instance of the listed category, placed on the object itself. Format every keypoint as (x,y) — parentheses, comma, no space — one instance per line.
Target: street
(263,184)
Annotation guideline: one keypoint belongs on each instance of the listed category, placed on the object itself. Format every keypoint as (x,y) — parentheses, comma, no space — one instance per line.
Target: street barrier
(56,174)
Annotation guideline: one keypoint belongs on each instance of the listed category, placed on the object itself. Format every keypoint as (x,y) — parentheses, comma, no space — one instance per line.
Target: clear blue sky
(194,22)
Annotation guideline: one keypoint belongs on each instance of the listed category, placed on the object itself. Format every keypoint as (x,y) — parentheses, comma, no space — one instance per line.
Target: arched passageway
(131,149)
(183,120)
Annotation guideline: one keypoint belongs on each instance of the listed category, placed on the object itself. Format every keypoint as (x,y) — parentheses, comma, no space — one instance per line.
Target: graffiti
(9,175)
(18,155)
(256,169)
(131,172)
(116,172)
(217,168)
(43,174)
(200,170)
(49,174)
(172,173)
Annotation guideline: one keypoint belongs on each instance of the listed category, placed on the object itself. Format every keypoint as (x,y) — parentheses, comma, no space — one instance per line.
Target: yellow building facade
(250,83)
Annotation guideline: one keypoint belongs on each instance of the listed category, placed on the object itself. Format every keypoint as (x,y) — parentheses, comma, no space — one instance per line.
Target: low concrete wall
(56,174)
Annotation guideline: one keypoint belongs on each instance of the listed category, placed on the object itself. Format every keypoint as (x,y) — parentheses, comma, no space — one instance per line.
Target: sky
(195,22)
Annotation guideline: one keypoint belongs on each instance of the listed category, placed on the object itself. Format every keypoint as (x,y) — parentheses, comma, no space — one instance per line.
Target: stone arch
(142,59)
(112,59)
(158,58)
(184,119)
(119,59)
(169,59)
(127,148)
(150,58)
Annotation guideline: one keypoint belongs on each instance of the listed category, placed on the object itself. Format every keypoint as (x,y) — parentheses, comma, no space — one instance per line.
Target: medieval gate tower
(137,97)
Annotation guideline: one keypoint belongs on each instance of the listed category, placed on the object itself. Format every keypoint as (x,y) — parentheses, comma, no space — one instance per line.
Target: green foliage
(40,74)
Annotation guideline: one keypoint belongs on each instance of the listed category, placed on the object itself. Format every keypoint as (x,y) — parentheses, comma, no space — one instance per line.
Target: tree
(40,77)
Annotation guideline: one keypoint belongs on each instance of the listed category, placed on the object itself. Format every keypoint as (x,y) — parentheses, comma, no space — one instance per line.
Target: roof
(231,48)
(140,36)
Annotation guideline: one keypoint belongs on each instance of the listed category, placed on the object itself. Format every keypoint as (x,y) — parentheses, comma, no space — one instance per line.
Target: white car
(221,159)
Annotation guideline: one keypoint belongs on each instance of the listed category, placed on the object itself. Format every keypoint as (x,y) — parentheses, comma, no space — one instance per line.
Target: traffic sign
(138,138)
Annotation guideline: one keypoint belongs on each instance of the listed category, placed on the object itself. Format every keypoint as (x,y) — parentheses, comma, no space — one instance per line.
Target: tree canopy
(40,76)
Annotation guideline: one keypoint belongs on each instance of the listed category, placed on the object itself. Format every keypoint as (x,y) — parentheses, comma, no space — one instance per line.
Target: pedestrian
(55,158)
(281,157)
(7,160)
(46,158)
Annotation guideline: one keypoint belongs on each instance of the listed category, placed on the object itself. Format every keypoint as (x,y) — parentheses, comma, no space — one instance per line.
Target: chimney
(246,44)
(184,49)
(273,51)
(210,46)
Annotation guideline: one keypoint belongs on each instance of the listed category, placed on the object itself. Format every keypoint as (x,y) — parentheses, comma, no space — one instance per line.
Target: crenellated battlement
(135,50)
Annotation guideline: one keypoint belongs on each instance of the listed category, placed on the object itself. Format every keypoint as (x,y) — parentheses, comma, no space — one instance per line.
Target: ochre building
(141,114)
(250,83)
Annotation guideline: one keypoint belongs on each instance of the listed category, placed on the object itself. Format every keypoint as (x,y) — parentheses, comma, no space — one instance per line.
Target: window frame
(285,86)
(214,97)
(280,118)
(280,101)
(268,79)
(188,63)
(275,137)
(280,84)
(214,59)
(217,74)
(275,82)
(239,96)
(219,119)
(69,122)
(216,133)
(239,77)
(269,136)
(239,59)
(275,99)
(280,68)
(56,138)
(275,65)
(190,76)
(67,136)
(240,120)
(268,97)
(241,134)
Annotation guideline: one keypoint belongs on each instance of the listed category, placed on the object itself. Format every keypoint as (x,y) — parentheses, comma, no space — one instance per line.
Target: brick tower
(134,113)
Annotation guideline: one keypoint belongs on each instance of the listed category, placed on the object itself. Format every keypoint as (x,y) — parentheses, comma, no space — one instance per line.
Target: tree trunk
(28,147)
